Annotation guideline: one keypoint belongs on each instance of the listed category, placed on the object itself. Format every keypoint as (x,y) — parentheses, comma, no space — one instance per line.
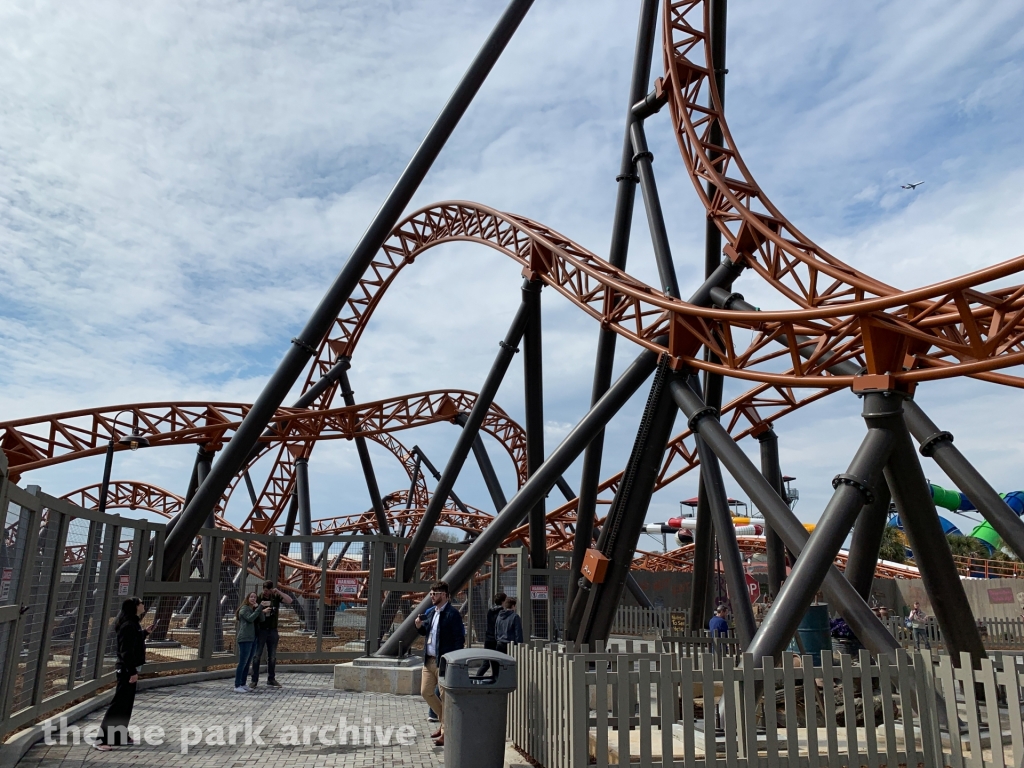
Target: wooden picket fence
(616,709)
(632,620)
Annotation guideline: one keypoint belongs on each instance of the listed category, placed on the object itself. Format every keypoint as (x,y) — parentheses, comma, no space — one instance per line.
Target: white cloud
(178,185)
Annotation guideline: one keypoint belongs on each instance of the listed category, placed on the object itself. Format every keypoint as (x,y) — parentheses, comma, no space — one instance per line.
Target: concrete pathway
(305,723)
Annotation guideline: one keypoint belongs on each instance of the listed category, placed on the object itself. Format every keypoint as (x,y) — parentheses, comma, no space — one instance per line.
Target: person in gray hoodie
(246,616)
(509,627)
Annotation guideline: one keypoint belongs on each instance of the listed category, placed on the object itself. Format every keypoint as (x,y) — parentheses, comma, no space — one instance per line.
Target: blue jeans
(245,649)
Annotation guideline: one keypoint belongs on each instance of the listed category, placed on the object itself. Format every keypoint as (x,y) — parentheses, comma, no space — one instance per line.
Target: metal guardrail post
(375,600)
(51,603)
(28,532)
(212,629)
(108,570)
(321,624)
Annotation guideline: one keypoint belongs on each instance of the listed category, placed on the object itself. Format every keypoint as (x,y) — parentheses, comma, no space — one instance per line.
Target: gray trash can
(475,707)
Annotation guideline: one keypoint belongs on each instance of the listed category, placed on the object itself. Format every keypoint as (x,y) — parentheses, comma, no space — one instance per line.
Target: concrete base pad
(396,678)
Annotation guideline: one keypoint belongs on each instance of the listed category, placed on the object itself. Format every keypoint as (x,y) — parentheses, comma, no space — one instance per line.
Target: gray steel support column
(932,554)
(704,559)
(867,538)
(289,521)
(838,591)
(705,562)
(728,547)
(622,219)
(364,456)
(464,444)
(652,203)
(772,471)
(717,17)
(533,393)
(249,487)
(481,550)
(483,461)
(304,346)
(415,480)
(938,445)
(852,491)
(437,475)
(108,464)
(596,604)
(305,529)
(305,514)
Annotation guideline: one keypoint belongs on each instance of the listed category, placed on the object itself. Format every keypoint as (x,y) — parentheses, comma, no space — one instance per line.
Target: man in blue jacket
(442,625)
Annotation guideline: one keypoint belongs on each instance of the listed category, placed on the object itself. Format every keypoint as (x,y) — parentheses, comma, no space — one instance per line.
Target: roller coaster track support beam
(596,604)
(644,160)
(777,513)
(714,265)
(437,476)
(483,461)
(304,346)
(932,554)
(771,468)
(852,491)
(533,385)
(289,521)
(364,456)
(728,547)
(506,350)
(305,529)
(560,459)
(938,445)
(622,219)
(705,563)
(867,539)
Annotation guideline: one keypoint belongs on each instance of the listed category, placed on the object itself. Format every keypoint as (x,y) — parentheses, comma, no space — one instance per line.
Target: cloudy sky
(179,182)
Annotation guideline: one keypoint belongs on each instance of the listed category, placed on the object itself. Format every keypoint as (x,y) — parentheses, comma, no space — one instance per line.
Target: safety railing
(632,620)
(658,709)
(65,570)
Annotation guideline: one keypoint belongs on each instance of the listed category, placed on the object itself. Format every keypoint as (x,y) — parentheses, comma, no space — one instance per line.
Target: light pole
(134,441)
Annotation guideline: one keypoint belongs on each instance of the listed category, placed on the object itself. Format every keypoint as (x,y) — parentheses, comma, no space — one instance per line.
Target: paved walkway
(193,726)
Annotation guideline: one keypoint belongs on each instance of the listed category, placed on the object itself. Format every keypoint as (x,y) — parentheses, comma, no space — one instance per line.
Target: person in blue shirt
(718,625)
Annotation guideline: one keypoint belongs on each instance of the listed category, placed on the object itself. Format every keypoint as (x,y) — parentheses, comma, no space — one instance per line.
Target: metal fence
(65,570)
(635,621)
(612,709)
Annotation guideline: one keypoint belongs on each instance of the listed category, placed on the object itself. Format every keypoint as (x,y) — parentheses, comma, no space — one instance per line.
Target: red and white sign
(122,585)
(5,583)
(538,592)
(753,587)
(346,586)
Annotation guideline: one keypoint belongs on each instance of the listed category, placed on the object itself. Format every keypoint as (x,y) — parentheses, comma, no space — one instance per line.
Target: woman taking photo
(131,654)
(246,616)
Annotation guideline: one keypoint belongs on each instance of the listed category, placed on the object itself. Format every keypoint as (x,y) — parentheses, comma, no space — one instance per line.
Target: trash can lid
(463,657)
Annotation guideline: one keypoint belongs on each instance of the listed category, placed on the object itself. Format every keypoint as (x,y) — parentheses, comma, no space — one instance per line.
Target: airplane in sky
(912,185)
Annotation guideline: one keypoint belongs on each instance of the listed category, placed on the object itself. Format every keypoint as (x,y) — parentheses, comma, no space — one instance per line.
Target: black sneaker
(254,683)
(273,683)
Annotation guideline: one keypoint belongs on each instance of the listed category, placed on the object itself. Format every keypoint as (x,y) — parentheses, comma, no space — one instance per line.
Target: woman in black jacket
(131,654)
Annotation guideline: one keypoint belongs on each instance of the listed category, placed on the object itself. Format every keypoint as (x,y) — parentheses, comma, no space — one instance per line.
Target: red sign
(1001,595)
(753,588)
(123,582)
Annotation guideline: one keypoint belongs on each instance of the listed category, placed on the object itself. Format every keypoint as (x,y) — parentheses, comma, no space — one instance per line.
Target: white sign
(122,584)
(344,586)
(538,592)
(5,583)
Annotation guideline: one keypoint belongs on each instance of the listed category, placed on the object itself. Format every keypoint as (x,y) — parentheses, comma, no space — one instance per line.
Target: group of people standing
(256,631)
